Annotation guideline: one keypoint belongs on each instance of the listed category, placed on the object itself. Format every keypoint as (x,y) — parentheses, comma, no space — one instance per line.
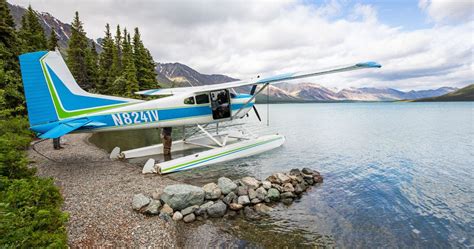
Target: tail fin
(52,94)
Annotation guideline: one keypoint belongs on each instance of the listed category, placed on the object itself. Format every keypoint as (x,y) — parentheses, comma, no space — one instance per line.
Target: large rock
(288,187)
(166,209)
(243,200)
(235,206)
(177,216)
(286,195)
(242,190)
(307,171)
(189,210)
(250,182)
(261,193)
(180,196)
(295,172)
(255,201)
(252,193)
(229,198)
(189,218)
(282,178)
(262,208)
(266,184)
(212,191)
(202,210)
(273,194)
(139,201)
(217,209)
(153,208)
(226,185)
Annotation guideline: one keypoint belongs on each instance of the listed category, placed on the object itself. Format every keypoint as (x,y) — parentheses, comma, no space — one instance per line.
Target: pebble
(228,199)
(139,201)
(177,216)
(189,210)
(166,209)
(243,200)
(189,218)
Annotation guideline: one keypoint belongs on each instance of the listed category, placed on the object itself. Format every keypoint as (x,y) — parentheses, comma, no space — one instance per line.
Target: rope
(33,146)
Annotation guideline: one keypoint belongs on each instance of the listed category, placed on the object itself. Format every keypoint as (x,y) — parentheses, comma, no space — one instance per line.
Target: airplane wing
(258,81)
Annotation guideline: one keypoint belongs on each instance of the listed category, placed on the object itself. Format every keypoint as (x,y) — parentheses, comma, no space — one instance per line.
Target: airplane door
(220,103)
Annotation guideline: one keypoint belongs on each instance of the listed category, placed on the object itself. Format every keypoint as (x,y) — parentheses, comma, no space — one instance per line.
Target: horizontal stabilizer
(67,127)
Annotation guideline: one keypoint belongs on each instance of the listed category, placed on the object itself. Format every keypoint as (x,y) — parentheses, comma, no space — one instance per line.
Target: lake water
(396,175)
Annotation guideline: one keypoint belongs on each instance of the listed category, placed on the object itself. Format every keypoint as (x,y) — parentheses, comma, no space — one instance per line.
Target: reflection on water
(396,175)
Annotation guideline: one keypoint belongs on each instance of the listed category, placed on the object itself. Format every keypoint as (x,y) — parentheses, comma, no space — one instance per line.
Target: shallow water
(396,174)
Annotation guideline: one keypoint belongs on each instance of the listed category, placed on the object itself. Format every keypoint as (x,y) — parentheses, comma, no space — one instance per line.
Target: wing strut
(250,100)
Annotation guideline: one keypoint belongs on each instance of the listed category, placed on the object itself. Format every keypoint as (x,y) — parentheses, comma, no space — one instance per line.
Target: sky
(421,44)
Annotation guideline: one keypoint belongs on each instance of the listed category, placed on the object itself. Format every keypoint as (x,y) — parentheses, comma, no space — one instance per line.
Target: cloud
(448,10)
(247,38)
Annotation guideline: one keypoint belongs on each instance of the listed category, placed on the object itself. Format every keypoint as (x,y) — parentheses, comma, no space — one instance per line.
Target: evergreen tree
(106,60)
(77,53)
(53,40)
(31,32)
(118,64)
(92,66)
(130,72)
(11,93)
(145,66)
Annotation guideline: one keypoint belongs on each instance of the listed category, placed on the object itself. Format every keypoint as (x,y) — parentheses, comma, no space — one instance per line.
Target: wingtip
(369,64)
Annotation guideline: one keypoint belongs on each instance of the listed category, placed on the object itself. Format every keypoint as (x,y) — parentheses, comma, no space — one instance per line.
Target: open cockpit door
(220,104)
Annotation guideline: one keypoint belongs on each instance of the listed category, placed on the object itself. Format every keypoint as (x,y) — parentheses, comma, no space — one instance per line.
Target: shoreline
(97,194)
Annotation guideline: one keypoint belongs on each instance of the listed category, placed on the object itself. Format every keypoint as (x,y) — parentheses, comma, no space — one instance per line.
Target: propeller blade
(256,112)
(254,87)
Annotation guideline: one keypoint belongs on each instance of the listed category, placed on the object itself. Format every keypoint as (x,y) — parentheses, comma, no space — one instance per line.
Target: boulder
(229,198)
(261,193)
(166,209)
(250,182)
(189,210)
(282,178)
(177,216)
(295,172)
(189,218)
(212,191)
(153,208)
(242,190)
(309,181)
(299,179)
(235,206)
(273,194)
(298,189)
(226,185)
(286,195)
(278,187)
(262,208)
(180,196)
(307,171)
(287,201)
(217,209)
(139,201)
(288,187)
(266,184)
(255,201)
(252,194)
(243,200)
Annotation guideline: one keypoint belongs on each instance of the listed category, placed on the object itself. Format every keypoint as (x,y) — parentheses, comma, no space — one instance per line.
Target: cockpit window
(202,98)
(189,101)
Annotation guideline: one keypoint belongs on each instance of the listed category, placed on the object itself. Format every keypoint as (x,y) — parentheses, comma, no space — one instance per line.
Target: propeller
(252,92)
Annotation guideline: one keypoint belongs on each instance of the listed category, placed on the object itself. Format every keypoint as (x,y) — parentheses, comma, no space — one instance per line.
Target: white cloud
(247,38)
(448,10)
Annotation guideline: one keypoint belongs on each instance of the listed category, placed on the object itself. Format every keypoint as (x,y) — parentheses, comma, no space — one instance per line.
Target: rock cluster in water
(246,196)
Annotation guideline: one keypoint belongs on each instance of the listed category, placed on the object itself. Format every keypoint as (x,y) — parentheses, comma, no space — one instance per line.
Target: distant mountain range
(177,74)
(463,94)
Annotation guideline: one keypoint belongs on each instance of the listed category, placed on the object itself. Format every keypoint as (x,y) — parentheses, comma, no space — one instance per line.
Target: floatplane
(58,106)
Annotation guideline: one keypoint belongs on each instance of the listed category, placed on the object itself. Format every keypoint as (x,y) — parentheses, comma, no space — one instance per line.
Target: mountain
(48,22)
(177,74)
(463,94)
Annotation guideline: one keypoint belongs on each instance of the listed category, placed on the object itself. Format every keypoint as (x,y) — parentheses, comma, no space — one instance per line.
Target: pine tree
(106,60)
(118,64)
(130,72)
(77,53)
(31,32)
(53,40)
(11,89)
(145,66)
(92,66)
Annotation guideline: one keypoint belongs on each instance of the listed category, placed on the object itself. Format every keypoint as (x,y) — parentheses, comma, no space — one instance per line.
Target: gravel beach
(97,195)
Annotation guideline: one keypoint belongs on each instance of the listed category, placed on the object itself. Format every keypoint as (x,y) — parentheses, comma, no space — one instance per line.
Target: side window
(202,98)
(189,101)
